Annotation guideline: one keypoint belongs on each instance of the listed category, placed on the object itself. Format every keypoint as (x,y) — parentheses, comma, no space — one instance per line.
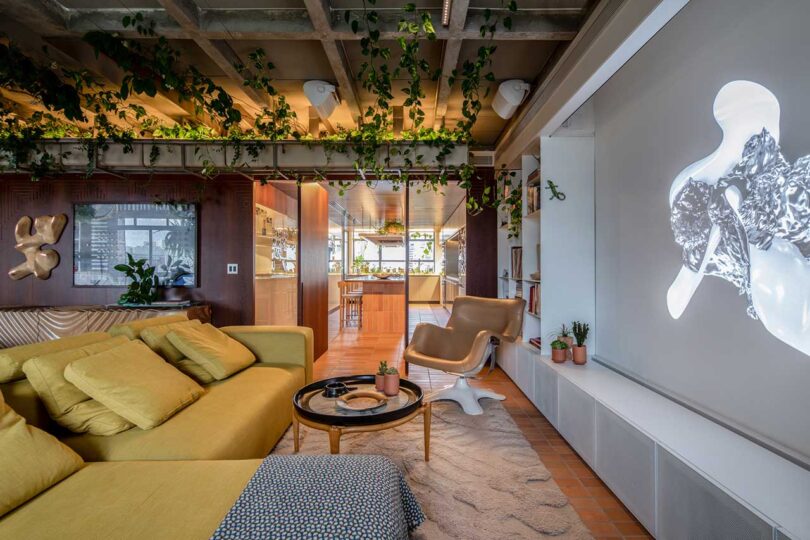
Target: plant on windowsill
(391,382)
(379,377)
(580,351)
(142,291)
(559,351)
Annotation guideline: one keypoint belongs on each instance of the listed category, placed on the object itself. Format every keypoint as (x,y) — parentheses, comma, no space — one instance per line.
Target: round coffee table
(312,408)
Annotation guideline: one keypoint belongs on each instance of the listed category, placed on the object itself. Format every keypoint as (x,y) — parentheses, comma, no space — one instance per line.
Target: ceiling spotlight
(446,4)
(322,96)
(510,95)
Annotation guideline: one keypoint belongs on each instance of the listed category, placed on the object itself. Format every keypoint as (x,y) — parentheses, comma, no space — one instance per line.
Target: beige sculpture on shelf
(38,261)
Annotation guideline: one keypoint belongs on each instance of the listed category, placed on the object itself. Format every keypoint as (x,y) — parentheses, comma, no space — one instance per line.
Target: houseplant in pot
(580,351)
(379,377)
(565,336)
(391,382)
(559,351)
(142,289)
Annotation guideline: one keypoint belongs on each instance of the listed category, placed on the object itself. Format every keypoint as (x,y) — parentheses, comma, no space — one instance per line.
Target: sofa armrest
(275,345)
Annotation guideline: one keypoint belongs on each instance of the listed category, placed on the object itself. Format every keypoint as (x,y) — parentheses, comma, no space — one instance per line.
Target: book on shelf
(534,300)
(533,194)
(534,177)
(536,342)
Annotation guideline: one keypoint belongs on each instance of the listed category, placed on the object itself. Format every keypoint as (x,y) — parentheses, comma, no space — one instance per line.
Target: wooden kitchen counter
(383,305)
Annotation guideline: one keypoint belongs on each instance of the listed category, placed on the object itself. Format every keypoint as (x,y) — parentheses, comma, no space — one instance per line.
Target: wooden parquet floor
(353,351)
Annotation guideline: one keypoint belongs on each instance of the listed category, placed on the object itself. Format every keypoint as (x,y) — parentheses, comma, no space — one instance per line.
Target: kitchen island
(383,304)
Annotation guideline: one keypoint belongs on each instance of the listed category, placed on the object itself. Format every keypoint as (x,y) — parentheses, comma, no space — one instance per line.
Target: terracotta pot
(379,382)
(580,355)
(559,355)
(391,384)
(569,340)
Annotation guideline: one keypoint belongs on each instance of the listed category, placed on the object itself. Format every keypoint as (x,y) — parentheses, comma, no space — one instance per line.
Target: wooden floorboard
(355,351)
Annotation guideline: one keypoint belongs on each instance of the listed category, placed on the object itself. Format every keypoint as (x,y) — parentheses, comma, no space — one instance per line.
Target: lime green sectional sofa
(241,417)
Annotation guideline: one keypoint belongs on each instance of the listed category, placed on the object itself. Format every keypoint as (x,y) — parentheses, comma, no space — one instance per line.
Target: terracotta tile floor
(354,351)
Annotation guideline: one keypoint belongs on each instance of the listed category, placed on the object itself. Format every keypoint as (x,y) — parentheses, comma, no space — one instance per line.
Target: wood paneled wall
(313,254)
(225,236)
(482,243)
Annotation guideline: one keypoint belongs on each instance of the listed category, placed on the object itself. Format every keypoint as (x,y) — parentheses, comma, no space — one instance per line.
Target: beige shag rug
(483,479)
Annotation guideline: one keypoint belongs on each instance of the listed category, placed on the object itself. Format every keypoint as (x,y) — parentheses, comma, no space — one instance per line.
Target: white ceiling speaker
(322,96)
(510,95)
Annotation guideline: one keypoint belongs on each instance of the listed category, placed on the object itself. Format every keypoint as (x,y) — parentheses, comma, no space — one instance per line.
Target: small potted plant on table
(580,351)
(379,377)
(391,383)
(565,336)
(559,351)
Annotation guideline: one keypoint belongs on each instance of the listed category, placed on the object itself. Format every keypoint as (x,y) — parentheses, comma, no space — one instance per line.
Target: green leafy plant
(383,368)
(559,345)
(392,371)
(142,290)
(580,330)
(172,271)
(512,202)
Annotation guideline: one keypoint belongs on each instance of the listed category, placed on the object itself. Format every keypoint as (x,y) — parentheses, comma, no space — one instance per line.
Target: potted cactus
(391,382)
(580,351)
(379,377)
(565,336)
(559,351)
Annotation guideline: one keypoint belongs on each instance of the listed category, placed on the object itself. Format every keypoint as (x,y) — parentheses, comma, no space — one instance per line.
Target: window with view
(162,234)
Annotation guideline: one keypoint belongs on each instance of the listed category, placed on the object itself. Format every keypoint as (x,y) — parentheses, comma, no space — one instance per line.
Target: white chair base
(465,395)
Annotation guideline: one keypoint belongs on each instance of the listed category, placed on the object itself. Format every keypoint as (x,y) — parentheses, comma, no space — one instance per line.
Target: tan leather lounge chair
(475,328)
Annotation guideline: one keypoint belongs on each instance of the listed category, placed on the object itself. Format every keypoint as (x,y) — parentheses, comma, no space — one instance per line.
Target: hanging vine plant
(83,108)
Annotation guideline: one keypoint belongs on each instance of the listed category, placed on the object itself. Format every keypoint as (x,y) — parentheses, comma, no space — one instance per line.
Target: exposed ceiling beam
(320,16)
(452,50)
(295,24)
(187,15)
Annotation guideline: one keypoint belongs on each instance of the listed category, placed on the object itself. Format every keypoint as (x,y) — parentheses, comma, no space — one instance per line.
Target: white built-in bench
(682,475)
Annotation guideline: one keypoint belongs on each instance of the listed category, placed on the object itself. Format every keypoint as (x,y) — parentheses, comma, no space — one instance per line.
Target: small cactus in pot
(379,377)
(580,351)
(391,382)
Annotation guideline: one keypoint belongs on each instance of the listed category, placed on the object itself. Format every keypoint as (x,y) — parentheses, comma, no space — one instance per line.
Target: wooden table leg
(296,429)
(427,419)
(334,440)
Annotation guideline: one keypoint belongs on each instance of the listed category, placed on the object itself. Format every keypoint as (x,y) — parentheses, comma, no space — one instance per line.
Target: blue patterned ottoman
(322,497)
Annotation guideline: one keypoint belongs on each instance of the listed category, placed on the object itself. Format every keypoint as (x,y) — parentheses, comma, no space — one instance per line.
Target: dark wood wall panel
(313,263)
(482,243)
(226,228)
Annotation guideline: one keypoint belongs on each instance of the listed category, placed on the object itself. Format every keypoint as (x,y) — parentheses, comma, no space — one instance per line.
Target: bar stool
(351,303)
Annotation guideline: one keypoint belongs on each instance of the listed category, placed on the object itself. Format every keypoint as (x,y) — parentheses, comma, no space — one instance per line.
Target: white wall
(567,235)
(653,118)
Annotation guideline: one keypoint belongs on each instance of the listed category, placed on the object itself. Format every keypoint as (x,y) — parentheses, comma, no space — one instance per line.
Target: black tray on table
(310,403)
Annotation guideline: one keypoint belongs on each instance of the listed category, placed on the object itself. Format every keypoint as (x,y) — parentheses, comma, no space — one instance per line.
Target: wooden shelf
(533,214)
(535,315)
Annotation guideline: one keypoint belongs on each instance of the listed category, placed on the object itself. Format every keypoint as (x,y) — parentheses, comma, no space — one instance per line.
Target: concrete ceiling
(305,39)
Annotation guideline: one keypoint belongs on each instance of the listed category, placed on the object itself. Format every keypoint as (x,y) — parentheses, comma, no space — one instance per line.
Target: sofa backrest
(132,329)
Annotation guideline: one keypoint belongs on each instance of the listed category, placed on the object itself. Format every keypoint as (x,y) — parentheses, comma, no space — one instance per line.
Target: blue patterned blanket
(321,497)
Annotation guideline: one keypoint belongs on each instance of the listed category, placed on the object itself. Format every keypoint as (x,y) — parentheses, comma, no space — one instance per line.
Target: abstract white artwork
(743,214)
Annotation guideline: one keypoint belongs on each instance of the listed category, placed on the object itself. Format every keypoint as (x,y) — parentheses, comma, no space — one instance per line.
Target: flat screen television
(165,235)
